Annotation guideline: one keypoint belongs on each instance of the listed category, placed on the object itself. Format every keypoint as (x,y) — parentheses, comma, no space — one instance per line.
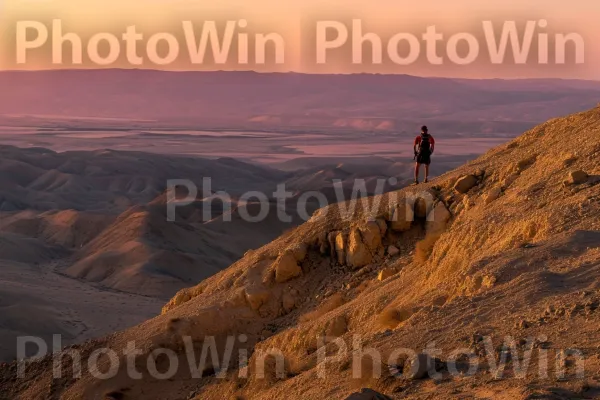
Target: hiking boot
(426,180)
(416,182)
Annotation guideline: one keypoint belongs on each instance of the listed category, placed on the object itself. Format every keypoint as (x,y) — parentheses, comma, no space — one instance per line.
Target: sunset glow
(295,23)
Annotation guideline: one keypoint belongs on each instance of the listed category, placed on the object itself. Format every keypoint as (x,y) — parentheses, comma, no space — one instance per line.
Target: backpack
(425,145)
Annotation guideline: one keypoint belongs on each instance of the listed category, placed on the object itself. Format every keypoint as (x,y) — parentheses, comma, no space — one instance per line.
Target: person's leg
(426,172)
(417,167)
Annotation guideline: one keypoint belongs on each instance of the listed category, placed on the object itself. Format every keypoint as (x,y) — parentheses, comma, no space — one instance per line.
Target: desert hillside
(92,225)
(101,216)
(506,245)
(144,253)
(112,181)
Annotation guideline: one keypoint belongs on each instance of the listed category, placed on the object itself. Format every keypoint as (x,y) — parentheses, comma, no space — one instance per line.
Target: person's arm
(416,144)
(432,145)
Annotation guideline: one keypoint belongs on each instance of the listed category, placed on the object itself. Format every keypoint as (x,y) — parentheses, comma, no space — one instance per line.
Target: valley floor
(40,302)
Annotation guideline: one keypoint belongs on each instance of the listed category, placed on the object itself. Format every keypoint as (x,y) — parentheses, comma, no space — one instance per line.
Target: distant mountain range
(277,100)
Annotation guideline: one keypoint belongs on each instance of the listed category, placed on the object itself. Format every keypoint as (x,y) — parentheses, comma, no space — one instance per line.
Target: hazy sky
(295,22)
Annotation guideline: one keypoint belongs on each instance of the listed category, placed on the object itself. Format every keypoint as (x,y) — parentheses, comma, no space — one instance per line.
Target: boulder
(578,177)
(526,163)
(257,296)
(493,195)
(286,267)
(371,236)
(341,240)
(386,273)
(438,218)
(368,394)
(391,317)
(402,217)
(299,251)
(393,251)
(382,226)
(181,297)
(331,239)
(358,254)
(418,367)
(465,183)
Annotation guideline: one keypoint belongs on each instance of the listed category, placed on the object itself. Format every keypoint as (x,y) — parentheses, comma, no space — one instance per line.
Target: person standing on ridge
(423,147)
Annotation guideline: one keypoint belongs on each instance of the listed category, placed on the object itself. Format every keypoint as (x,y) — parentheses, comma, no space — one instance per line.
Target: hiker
(423,147)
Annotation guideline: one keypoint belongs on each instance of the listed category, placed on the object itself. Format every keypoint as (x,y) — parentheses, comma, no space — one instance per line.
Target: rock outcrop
(286,267)
(341,246)
(525,163)
(257,296)
(578,177)
(393,251)
(386,273)
(403,216)
(368,394)
(359,253)
(438,218)
(493,194)
(418,367)
(371,236)
(465,183)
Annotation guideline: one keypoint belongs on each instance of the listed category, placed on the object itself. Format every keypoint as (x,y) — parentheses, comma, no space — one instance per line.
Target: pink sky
(294,21)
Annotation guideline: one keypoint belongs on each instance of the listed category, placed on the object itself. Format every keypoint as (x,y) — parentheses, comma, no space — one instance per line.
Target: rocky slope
(507,245)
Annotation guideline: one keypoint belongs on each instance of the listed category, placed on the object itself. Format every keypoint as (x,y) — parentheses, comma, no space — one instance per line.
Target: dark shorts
(424,159)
